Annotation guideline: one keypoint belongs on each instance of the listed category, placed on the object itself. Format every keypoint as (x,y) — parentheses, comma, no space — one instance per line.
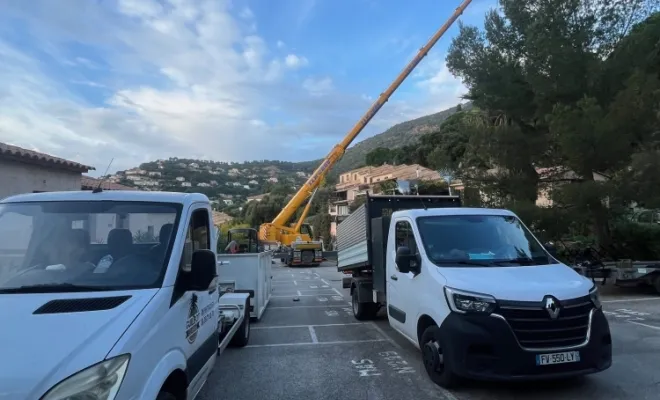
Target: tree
(541,73)
(379,156)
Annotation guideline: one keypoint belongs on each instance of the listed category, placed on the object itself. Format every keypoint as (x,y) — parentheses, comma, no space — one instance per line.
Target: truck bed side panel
(379,232)
(352,245)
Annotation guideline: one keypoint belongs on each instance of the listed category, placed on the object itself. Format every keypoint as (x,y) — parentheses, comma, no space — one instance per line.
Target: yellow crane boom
(277,231)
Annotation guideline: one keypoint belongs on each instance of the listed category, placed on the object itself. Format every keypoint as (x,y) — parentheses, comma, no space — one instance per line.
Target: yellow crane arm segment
(270,231)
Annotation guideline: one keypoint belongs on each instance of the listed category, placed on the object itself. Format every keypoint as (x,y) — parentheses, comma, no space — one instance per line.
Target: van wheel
(656,283)
(242,335)
(363,311)
(437,366)
(165,396)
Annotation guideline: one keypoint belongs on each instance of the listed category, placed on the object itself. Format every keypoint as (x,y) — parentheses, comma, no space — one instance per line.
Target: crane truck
(473,289)
(304,248)
(114,295)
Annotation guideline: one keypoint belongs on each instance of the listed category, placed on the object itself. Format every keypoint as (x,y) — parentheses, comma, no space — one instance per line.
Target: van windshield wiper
(519,260)
(55,288)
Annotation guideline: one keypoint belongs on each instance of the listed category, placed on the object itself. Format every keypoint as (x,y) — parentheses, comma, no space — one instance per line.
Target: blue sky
(137,80)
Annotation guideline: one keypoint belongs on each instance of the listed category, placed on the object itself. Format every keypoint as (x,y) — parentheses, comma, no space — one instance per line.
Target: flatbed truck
(473,289)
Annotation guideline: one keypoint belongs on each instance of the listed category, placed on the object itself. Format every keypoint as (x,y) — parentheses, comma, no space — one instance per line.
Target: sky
(140,80)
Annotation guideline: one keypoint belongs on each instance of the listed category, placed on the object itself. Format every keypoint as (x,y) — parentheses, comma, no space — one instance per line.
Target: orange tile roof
(34,157)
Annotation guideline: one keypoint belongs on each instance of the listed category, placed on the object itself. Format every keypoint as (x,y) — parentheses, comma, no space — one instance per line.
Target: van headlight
(98,382)
(463,302)
(595,297)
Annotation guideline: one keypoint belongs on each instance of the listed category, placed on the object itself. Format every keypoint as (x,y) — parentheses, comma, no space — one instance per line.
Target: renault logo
(552,307)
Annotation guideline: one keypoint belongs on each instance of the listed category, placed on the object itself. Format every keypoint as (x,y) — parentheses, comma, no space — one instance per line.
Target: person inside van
(232,247)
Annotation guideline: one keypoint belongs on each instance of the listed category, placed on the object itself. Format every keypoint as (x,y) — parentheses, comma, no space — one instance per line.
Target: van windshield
(480,240)
(84,245)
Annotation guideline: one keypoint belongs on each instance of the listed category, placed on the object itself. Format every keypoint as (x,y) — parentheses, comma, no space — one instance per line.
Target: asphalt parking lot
(313,348)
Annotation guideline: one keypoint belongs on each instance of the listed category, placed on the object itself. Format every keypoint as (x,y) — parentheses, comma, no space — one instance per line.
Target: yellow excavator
(298,245)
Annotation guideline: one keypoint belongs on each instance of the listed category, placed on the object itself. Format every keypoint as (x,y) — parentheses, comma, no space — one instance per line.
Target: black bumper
(486,348)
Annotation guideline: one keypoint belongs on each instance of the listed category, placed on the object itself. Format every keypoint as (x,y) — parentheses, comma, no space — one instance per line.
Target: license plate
(641,270)
(558,358)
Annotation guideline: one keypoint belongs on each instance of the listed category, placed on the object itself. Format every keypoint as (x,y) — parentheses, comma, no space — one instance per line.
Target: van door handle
(394,278)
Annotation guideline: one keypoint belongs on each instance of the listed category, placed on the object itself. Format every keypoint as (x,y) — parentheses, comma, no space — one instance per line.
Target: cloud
(149,79)
(293,61)
(318,87)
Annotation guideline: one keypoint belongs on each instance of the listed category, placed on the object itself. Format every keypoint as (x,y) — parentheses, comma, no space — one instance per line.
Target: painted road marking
(331,313)
(646,325)
(318,344)
(321,298)
(396,362)
(365,367)
(633,299)
(297,295)
(313,287)
(338,298)
(326,306)
(631,316)
(305,326)
(312,333)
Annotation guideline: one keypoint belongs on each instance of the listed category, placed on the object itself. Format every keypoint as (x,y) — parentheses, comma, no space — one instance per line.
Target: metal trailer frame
(247,273)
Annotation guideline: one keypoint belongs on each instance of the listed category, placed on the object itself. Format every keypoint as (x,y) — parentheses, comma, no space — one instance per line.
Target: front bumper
(486,348)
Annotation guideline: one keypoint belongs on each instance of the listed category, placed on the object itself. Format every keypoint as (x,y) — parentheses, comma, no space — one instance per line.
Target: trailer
(247,273)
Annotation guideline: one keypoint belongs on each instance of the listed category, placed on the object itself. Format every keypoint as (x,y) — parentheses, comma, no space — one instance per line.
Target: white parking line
(317,343)
(632,299)
(306,326)
(329,305)
(645,325)
(312,333)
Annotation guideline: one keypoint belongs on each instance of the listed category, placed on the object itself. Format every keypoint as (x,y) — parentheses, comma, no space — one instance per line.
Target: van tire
(363,311)
(242,335)
(163,395)
(437,367)
(656,283)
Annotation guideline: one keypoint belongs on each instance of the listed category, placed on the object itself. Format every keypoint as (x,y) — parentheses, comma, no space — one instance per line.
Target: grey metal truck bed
(357,246)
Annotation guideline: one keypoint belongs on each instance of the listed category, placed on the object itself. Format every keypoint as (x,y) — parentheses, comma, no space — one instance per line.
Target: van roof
(111,195)
(445,211)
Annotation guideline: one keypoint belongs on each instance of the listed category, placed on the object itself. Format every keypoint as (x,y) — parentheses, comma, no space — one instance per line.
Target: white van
(473,289)
(111,295)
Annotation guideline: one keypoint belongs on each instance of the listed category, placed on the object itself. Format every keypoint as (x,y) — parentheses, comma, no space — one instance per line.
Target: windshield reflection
(62,246)
(480,240)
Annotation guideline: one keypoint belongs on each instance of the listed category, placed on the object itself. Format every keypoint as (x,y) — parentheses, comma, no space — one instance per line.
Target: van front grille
(535,329)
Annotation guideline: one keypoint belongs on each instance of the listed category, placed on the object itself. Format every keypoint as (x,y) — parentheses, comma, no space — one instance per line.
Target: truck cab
(111,295)
(478,294)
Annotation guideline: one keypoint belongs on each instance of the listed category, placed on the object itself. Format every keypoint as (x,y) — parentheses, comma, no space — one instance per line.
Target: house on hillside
(558,174)
(358,182)
(258,197)
(27,171)
(89,183)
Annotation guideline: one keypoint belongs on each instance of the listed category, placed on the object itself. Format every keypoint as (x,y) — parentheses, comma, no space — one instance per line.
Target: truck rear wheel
(242,335)
(363,311)
(437,366)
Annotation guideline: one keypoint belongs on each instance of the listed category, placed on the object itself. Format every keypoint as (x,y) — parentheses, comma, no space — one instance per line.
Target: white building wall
(19,178)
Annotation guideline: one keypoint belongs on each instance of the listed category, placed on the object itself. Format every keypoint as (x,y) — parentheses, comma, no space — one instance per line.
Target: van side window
(197,237)
(405,236)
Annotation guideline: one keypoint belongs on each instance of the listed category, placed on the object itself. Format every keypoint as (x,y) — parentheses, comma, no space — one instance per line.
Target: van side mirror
(406,261)
(202,270)
(550,248)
